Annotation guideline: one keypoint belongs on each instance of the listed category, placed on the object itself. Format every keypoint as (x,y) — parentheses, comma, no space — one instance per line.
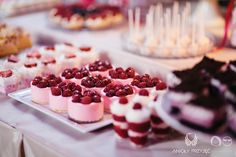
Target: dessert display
(46,60)
(76,16)
(205,104)
(13,40)
(86,107)
(8,81)
(40,88)
(100,68)
(121,76)
(167,33)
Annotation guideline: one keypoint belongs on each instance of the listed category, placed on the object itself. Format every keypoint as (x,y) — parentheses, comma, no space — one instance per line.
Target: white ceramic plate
(24,97)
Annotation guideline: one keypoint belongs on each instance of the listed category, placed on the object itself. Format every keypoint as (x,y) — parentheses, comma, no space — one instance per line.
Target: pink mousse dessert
(34,55)
(60,95)
(121,76)
(12,62)
(138,118)
(100,68)
(112,92)
(119,109)
(69,60)
(28,71)
(49,66)
(86,108)
(40,88)
(144,82)
(97,83)
(8,81)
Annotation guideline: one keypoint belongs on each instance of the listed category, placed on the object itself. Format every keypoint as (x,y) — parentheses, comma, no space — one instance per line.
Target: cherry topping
(86,100)
(70,55)
(137,106)
(67,93)
(13,59)
(85,49)
(96,98)
(30,65)
(6,73)
(144,92)
(56,91)
(76,98)
(52,83)
(161,86)
(42,84)
(34,54)
(50,48)
(123,100)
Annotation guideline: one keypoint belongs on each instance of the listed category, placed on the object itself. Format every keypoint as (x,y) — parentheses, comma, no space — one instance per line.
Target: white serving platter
(24,96)
(163,109)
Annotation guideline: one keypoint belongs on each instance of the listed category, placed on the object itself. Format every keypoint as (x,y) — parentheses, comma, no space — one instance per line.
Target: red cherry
(55,91)
(76,98)
(128,89)
(142,85)
(13,59)
(144,92)
(52,83)
(123,100)
(6,73)
(70,55)
(51,76)
(58,80)
(42,84)
(161,86)
(67,93)
(96,98)
(62,84)
(69,76)
(120,93)
(86,100)
(130,72)
(35,82)
(137,106)
(123,75)
(50,48)
(39,78)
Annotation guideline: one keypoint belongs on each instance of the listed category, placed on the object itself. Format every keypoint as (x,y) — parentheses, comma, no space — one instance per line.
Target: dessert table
(26,132)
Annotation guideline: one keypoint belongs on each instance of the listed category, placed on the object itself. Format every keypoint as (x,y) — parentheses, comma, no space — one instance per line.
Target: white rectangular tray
(24,97)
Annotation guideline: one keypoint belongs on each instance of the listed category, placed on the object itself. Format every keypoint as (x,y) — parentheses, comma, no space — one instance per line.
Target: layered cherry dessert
(34,55)
(40,88)
(119,109)
(87,55)
(86,107)
(138,118)
(100,68)
(97,83)
(8,81)
(60,95)
(144,81)
(121,76)
(113,91)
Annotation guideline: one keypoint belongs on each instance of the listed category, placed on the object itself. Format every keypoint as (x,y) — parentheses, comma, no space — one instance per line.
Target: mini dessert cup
(121,76)
(118,110)
(87,54)
(138,118)
(100,68)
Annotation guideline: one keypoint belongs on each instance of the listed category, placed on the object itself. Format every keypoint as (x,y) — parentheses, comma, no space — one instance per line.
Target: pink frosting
(122,81)
(40,95)
(85,113)
(58,103)
(103,73)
